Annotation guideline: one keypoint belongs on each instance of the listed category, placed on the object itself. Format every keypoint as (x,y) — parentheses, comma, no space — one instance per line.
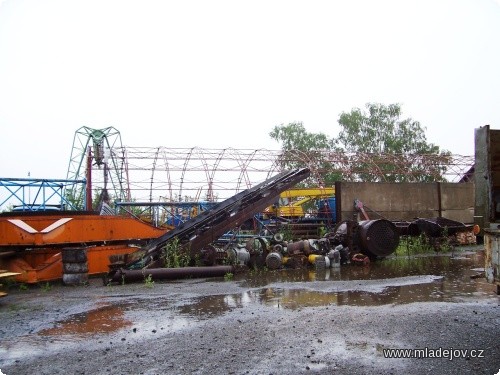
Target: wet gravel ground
(247,326)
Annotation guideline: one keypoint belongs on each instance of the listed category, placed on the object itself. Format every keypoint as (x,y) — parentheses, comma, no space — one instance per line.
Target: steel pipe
(171,273)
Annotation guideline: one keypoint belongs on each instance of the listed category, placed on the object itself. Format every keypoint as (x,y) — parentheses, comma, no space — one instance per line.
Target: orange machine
(31,242)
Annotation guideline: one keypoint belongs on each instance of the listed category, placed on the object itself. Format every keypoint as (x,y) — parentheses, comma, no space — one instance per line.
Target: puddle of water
(211,306)
(403,266)
(120,318)
(105,319)
(397,280)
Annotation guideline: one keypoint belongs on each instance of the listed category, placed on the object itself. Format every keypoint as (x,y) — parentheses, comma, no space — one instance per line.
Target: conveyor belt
(212,224)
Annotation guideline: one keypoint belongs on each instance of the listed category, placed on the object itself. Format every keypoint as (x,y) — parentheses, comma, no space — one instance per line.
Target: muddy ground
(279,322)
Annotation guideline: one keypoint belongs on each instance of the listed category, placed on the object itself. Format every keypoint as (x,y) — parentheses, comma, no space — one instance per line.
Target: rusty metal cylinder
(237,255)
(301,247)
(378,237)
(171,273)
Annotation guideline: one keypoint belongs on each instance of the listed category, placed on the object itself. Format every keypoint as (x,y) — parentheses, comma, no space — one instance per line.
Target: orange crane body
(31,244)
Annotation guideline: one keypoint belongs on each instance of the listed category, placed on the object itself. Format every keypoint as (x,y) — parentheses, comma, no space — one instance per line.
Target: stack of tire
(75,266)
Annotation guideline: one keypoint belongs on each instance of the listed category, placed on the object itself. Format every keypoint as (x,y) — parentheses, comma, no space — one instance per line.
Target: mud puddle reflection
(397,280)
(105,319)
(109,323)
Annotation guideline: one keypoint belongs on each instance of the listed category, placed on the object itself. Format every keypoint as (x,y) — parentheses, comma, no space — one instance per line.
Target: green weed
(174,255)
(46,287)
(148,281)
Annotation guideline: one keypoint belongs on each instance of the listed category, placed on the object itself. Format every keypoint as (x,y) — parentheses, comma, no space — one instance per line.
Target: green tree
(303,149)
(397,148)
(372,145)
(380,130)
(295,137)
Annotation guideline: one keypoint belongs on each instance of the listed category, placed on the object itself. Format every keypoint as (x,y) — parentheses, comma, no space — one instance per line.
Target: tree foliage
(365,144)
(380,130)
(295,137)
(302,149)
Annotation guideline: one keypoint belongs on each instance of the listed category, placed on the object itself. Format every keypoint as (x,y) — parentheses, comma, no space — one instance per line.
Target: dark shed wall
(407,201)
(487,177)
(482,177)
(457,201)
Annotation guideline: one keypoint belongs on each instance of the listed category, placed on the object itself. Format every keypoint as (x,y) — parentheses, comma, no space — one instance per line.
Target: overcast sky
(223,73)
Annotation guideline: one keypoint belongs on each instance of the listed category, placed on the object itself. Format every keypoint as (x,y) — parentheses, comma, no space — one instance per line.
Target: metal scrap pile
(350,242)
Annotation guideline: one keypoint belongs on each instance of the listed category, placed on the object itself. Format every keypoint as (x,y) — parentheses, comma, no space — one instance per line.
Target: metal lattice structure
(163,174)
(187,174)
(103,147)
(380,167)
(31,194)
(180,174)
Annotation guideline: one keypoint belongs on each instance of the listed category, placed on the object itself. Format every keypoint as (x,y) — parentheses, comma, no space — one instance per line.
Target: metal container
(378,237)
(239,256)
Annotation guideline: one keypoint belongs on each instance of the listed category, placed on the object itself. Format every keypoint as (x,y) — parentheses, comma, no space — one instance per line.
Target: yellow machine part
(312,258)
(291,201)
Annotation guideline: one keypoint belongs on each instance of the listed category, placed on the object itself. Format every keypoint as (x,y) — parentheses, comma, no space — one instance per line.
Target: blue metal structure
(32,194)
(169,213)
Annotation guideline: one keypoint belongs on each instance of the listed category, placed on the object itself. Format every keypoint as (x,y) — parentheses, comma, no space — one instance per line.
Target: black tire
(75,268)
(74,254)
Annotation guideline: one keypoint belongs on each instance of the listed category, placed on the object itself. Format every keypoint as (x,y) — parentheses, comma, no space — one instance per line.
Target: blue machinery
(30,194)
(99,147)
(165,213)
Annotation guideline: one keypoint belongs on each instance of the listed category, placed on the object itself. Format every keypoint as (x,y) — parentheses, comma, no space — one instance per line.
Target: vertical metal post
(88,185)
(338,201)
(482,178)
(440,207)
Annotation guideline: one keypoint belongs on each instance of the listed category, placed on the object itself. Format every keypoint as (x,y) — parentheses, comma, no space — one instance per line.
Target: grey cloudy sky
(224,73)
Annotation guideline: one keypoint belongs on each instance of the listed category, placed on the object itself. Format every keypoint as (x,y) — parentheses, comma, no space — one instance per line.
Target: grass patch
(422,244)
(46,287)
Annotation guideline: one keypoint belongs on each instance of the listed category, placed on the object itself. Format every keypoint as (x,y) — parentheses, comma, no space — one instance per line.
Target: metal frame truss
(30,194)
(163,174)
